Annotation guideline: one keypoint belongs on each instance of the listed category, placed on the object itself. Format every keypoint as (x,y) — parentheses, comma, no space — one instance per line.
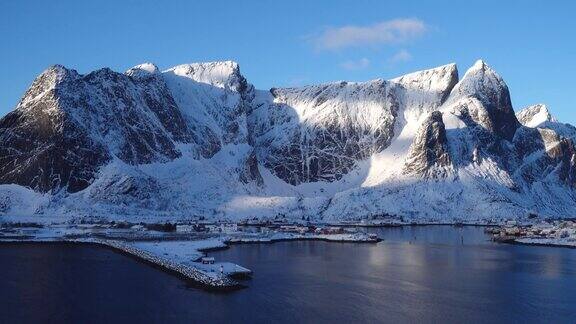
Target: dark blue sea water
(435,274)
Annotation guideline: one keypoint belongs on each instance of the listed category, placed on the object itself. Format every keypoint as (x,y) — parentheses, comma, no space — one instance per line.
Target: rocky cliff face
(198,139)
(546,154)
(213,97)
(472,152)
(429,156)
(320,133)
(69,125)
(482,98)
(535,115)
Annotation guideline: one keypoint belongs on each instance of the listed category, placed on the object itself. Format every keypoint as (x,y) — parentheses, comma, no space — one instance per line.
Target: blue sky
(283,43)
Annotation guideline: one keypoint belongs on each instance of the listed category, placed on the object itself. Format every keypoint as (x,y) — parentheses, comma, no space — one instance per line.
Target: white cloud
(401,56)
(356,65)
(386,32)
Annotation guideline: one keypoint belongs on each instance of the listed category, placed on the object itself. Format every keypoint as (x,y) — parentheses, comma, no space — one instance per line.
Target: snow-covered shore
(559,242)
(558,233)
(278,237)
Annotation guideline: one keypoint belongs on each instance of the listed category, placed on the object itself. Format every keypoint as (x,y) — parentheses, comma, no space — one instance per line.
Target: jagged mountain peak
(68,125)
(45,85)
(482,97)
(426,90)
(59,70)
(212,96)
(479,78)
(480,64)
(435,79)
(480,67)
(143,70)
(55,74)
(535,115)
(222,74)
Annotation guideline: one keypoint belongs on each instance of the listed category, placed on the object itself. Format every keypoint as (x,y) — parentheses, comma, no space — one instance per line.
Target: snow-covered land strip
(185,252)
(230,269)
(559,233)
(277,237)
(168,262)
(564,242)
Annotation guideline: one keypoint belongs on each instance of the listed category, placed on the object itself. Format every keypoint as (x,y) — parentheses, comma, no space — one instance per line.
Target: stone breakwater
(192,275)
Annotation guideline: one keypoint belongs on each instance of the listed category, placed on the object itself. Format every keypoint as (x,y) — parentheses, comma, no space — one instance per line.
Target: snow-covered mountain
(199,140)
(535,115)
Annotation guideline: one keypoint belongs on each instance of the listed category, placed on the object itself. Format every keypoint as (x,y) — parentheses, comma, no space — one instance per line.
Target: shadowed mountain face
(199,137)
(68,125)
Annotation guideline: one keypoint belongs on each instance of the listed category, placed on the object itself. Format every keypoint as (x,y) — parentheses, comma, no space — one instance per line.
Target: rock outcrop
(429,156)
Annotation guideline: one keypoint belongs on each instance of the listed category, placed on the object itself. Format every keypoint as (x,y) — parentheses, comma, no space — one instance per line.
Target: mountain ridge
(199,140)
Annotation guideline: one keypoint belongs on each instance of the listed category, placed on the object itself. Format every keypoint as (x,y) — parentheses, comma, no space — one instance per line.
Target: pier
(194,276)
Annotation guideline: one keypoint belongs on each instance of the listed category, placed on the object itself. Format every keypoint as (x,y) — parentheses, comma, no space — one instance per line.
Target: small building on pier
(207,260)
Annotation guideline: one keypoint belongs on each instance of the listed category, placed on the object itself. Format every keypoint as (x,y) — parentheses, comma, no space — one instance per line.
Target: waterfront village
(552,233)
(182,248)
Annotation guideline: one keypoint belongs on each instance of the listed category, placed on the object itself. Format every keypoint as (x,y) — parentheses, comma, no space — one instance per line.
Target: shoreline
(552,245)
(557,234)
(378,225)
(296,239)
(515,241)
(390,225)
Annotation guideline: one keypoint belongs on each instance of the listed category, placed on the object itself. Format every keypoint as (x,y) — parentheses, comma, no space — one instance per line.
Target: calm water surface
(418,274)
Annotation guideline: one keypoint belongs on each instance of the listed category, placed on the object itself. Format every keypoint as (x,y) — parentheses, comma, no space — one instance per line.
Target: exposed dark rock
(68,125)
(490,106)
(429,156)
(42,147)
